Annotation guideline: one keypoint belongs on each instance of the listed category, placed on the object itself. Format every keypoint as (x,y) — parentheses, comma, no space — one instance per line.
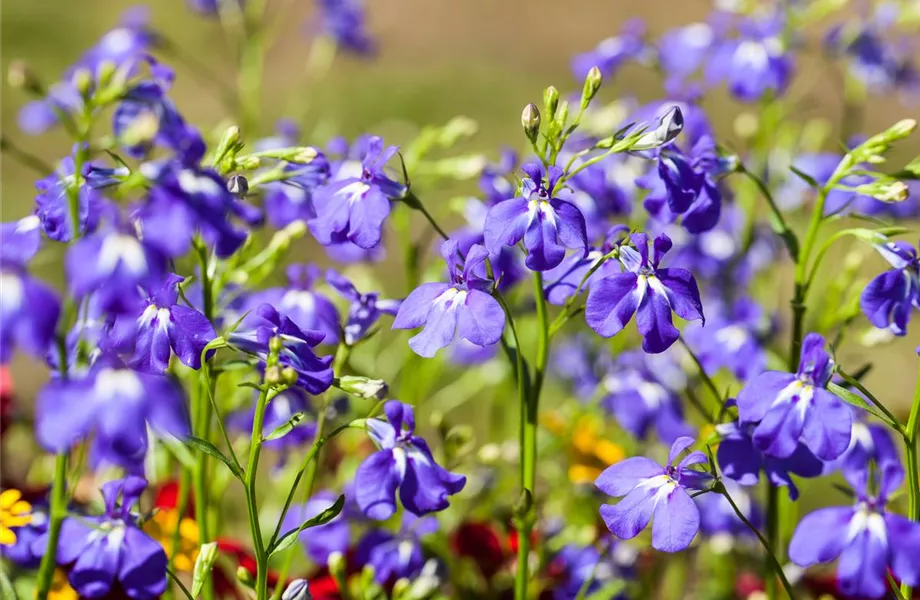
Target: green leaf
(212,450)
(285,428)
(287,539)
(805,177)
(858,401)
(250,384)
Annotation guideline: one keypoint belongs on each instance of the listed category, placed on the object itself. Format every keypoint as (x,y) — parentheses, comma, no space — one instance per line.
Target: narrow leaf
(287,539)
(858,401)
(212,450)
(806,178)
(285,428)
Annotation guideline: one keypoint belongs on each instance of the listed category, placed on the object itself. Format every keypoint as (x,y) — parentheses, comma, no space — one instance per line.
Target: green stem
(774,563)
(252,469)
(57,512)
(911,431)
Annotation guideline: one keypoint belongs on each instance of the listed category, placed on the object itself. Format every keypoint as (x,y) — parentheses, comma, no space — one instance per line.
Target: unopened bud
(21,76)
(238,185)
(550,101)
(273,375)
(669,126)
(562,114)
(592,83)
(288,376)
(82,81)
(275,345)
(207,556)
(105,72)
(887,190)
(530,121)
(304,155)
(244,576)
(902,129)
(299,589)
(247,163)
(363,387)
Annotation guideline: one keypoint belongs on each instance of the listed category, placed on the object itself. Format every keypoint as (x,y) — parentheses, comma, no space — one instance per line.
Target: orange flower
(162,528)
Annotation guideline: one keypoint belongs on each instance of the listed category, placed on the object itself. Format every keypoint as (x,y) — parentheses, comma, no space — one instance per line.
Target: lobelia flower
(29,309)
(262,324)
(649,292)
(719,520)
(506,264)
(493,182)
(462,307)
(113,404)
(111,550)
(613,52)
(732,339)
(754,64)
(162,327)
(396,556)
(547,225)
(52,203)
(321,541)
(364,310)
(355,202)
(291,199)
(21,552)
(865,538)
(307,308)
(404,462)
(575,360)
(211,8)
(344,22)
(683,50)
(112,264)
(582,566)
(641,396)
(869,443)
(792,407)
(654,493)
(889,298)
(563,281)
(740,460)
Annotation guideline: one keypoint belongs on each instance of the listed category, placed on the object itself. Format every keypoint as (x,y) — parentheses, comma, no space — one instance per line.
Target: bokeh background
(436,59)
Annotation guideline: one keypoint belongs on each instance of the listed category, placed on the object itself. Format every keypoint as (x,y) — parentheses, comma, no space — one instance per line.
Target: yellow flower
(60,587)
(592,454)
(14,512)
(162,527)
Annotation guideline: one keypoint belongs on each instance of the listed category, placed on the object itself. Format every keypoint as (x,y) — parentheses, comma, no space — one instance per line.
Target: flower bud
(288,376)
(592,84)
(304,155)
(21,76)
(530,120)
(207,556)
(299,589)
(247,163)
(244,576)
(669,126)
(363,387)
(238,185)
(886,190)
(562,114)
(550,101)
(901,129)
(82,81)
(275,345)
(105,72)
(273,375)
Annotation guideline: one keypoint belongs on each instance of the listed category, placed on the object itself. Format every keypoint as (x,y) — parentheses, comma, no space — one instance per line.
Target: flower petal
(506,223)
(653,320)
(413,312)
(828,426)
(376,481)
(758,395)
(621,478)
(611,303)
(482,320)
(820,536)
(675,522)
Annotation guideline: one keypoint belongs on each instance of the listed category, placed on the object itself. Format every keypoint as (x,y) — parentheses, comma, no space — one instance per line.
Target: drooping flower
(52,202)
(867,539)
(463,306)
(29,309)
(321,541)
(889,298)
(613,52)
(354,204)
(647,291)
(740,460)
(754,64)
(396,556)
(261,325)
(308,308)
(114,403)
(162,327)
(546,224)
(654,493)
(365,308)
(791,407)
(14,512)
(111,550)
(404,463)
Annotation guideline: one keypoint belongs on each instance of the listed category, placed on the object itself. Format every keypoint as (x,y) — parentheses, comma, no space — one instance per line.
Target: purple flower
(161,327)
(717,517)
(740,460)
(261,325)
(112,264)
(403,462)
(355,203)
(211,8)
(547,225)
(344,22)
(116,404)
(652,491)
(320,541)
(110,551)
(732,339)
(307,308)
(396,556)
(613,52)
(52,203)
(754,64)
(463,306)
(641,396)
(581,564)
(682,50)
(23,553)
(865,538)
(888,300)
(563,281)
(364,310)
(506,264)
(648,292)
(869,443)
(494,182)
(29,309)
(574,360)
(793,407)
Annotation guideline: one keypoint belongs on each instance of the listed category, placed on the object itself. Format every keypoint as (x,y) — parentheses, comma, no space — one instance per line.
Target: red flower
(480,542)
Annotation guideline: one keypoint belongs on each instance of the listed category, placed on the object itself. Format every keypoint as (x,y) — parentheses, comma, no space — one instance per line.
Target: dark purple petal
(64,415)
(142,573)
(506,223)
(682,293)
(570,225)
(863,562)
(611,303)
(885,294)
(905,548)
(94,572)
(758,395)
(779,432)
(376,481)
(828,426)
(653,320)
(189,332)
(427,485)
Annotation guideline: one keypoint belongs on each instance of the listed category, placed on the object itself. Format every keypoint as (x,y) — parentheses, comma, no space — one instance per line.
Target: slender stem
(774,563)
(7,146)
(56,513)
(710,384)
(252,469)
(912,430)
(865,392)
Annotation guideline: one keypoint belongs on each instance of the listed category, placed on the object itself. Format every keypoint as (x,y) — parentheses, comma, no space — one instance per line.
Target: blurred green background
(484,59)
